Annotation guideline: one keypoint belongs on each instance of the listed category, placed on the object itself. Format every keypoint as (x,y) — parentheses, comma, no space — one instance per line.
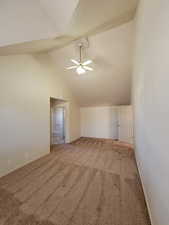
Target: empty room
(84,90)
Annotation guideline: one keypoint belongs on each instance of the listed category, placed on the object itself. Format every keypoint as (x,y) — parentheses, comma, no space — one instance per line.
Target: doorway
(125,124)
(114,123)
(58,131)
(57,121)
(122,123)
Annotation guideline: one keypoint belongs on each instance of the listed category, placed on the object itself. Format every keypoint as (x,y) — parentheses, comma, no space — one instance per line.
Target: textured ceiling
(35,26)
(110,82)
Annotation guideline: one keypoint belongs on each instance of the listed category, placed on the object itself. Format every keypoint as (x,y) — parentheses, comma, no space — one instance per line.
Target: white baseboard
(145,193)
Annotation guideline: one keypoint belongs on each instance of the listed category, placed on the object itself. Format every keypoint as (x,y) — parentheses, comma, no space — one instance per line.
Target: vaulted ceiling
(35,26)
(54,26)
(110,82)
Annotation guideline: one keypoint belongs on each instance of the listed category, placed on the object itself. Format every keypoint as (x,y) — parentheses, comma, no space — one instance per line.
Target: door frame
(128,111)
(64,128)
(64,104)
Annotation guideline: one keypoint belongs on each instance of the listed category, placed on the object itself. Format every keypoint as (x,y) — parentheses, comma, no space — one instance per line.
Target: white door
(125,119)
(58,136)
(114,123)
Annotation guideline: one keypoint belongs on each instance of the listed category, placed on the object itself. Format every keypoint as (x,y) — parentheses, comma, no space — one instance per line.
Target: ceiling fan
(81,67)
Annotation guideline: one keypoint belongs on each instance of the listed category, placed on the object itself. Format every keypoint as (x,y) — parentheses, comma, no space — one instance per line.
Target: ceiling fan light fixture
(80,70)
(81,67)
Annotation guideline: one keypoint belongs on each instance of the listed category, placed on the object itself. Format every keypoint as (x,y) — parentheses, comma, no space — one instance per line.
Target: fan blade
(75,62)
(71,67)
(87,62)
(88,68)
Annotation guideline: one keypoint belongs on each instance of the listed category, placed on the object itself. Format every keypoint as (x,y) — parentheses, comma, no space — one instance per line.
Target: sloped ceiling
(28,20)
(54,26)
(110,82)
(35,26)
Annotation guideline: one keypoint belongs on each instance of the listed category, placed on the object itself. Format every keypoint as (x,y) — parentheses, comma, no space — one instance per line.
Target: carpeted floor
(88,182)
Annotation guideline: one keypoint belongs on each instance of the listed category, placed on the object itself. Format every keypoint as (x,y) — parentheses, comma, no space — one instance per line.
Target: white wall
(151,104)
(26,84)
(98,122)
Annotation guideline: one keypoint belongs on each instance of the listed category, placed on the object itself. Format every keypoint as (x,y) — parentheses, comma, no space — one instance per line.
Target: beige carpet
(88,182)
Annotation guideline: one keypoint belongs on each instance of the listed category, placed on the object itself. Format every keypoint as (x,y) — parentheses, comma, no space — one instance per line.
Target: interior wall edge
(144,189)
